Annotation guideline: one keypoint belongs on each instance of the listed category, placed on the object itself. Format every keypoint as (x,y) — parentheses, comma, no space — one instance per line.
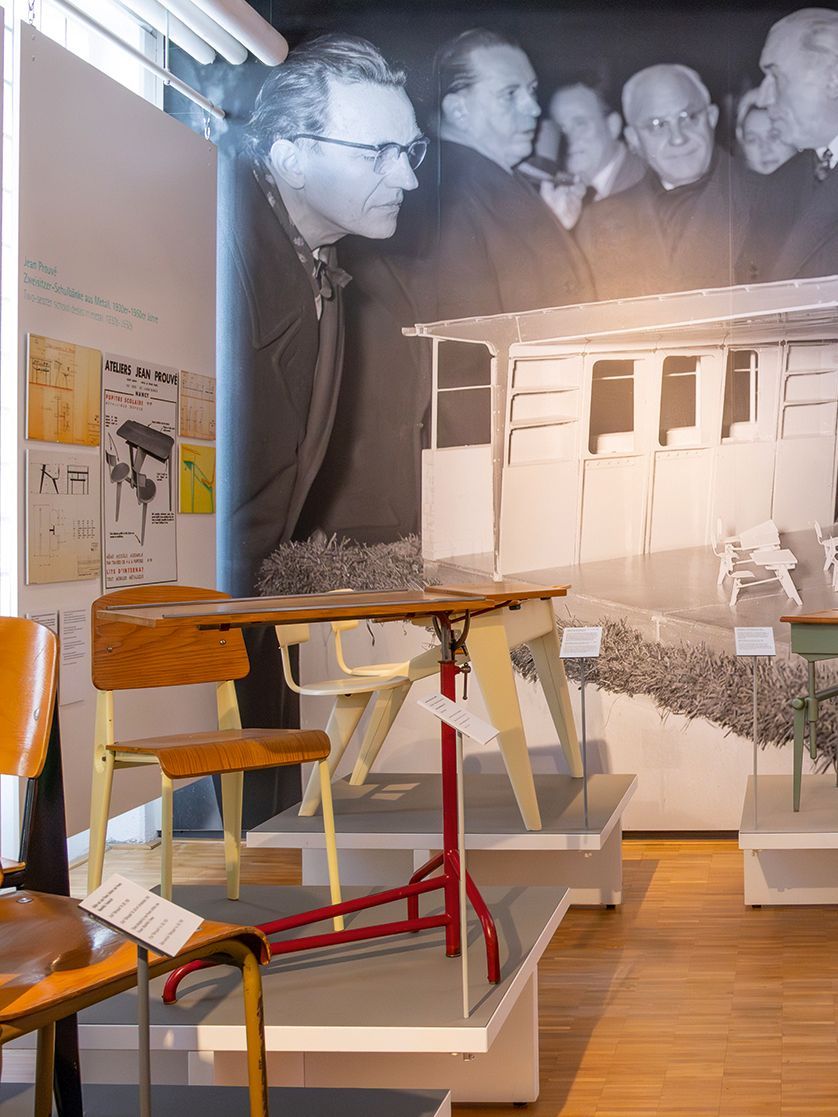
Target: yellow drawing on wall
(197,478)
(63,391)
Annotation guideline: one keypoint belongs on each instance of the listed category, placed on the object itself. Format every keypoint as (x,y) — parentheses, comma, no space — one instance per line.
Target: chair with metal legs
(128,657)
(351,694)
(119,473)
(57,960)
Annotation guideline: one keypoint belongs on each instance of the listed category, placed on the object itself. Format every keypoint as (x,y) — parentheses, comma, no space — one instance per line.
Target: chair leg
(342,723)
(232,784)
(384,713)
(166,837)
(100,804)
(331,840)
(44,1069)
(118,495)
(254,1024)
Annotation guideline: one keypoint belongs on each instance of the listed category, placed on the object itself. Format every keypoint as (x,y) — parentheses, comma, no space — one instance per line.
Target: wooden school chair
(28,677)
(57,960)
(127,656)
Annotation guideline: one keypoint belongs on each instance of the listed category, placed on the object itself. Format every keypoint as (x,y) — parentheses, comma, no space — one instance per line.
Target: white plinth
(385,1013)
(790,857)
(390,825)
(232,1101)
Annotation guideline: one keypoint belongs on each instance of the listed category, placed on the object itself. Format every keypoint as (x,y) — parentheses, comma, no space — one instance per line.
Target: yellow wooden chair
(128,656)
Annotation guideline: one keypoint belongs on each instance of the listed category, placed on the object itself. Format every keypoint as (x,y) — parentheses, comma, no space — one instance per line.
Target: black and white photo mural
(617,230)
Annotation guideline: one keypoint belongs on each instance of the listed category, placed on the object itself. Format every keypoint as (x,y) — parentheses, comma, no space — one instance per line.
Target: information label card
(581,643)
(147,919)
(755,641)
(459,718)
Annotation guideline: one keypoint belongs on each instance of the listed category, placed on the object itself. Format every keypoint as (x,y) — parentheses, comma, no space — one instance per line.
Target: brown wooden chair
(127,656)
(57,960)
(28,674)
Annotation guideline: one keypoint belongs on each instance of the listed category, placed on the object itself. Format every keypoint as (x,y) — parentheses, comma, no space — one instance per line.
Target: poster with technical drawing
(63,516)
(138,441)
(197,479)
(63,386)
(197,406)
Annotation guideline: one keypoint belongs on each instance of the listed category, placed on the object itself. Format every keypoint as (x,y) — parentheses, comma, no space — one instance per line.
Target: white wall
(121,200)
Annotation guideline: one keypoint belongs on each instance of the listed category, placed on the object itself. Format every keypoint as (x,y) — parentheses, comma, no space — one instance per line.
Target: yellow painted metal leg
(342,723)
(166,838)
(232,784)
(489,651)
(551,675)
(44,1070)
(254,1024)
(100,804)
(331,840)
(384,713)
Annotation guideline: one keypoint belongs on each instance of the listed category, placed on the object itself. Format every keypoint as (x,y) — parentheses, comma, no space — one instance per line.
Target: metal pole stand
(756,744)
(144,1036)
(583,681)
(461,852)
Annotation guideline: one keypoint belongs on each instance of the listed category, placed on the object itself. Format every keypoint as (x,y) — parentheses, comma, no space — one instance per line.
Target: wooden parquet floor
(682,1003)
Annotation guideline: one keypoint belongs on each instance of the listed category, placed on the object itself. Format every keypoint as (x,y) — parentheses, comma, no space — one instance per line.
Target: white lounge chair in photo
(830,549)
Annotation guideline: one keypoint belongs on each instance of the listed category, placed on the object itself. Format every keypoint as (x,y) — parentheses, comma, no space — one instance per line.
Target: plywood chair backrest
(28,677)
(128,656)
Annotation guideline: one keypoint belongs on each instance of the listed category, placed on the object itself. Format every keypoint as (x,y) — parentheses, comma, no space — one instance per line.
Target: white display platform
(790,857)
(389,826)
(386,1013)
(232,1101)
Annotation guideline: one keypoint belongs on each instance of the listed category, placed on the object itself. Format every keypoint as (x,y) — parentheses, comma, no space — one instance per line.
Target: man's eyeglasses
(386,155)
(686,119)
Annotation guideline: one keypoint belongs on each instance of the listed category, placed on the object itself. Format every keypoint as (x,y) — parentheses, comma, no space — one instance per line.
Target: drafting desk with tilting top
(446,609)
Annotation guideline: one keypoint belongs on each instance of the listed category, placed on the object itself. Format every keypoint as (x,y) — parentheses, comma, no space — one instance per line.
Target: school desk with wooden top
(451,613)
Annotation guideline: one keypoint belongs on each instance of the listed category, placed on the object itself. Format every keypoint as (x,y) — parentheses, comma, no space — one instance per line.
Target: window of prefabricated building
(612,407)
(679,418)
(95,49)
(741,395)
(463,402)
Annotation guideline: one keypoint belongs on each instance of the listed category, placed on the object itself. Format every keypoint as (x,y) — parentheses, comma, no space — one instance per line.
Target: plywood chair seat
(52,950)
(9,868)
(229,750)
(129,656)
(57,960)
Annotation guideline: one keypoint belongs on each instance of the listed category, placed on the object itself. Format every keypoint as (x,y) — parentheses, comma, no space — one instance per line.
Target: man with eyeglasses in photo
(330,150)
(795,233)
(680,227)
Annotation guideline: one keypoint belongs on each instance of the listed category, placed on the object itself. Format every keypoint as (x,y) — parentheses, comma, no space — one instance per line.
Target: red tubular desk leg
(420,884)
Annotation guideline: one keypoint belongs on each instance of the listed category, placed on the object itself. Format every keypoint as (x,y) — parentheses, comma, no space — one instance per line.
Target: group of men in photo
(473,212)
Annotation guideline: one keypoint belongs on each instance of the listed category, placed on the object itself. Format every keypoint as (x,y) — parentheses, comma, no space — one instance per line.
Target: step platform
(391,825)
(385,1013)
(232,1101)
(790,857)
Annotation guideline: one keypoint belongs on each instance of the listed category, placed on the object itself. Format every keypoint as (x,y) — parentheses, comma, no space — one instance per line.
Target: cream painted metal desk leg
(490,640)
